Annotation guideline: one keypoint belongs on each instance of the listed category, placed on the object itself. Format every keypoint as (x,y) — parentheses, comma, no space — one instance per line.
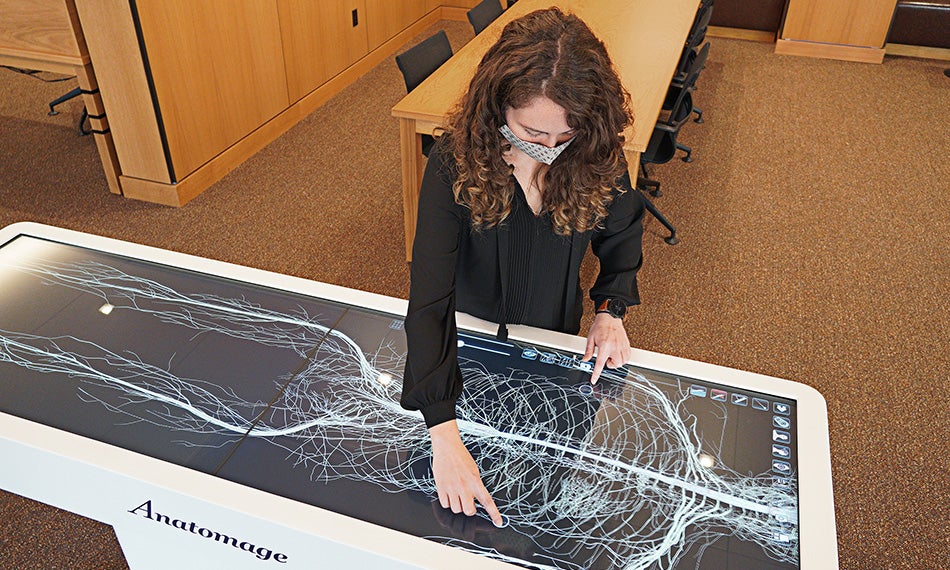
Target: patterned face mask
(536,151)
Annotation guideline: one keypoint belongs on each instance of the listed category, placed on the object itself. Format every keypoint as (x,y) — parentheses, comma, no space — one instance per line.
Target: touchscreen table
(292,389)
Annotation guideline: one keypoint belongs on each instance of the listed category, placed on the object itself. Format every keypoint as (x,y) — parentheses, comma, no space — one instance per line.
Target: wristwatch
(613,307)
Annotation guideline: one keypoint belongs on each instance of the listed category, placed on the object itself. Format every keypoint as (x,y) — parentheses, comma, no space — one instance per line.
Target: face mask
(536,151)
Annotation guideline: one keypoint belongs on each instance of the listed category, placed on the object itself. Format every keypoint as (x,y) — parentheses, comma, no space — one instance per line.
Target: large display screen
(299,396)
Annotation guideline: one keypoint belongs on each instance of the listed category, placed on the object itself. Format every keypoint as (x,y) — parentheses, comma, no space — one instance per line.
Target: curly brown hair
(552,54)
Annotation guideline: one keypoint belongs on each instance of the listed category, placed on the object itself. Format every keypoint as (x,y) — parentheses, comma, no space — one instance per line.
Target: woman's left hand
(608,336)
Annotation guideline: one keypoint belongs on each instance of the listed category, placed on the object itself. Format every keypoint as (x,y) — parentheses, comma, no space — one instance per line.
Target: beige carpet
(814,225)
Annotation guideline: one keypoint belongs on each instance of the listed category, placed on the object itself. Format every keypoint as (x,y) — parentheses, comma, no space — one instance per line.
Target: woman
(529,172)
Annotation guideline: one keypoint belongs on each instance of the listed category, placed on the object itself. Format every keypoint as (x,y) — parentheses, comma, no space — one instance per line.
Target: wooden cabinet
(853,30)
(193,88)
(182,81)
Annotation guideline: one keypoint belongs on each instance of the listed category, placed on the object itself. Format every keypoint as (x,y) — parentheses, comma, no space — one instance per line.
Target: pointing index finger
(489,504)
(598,366)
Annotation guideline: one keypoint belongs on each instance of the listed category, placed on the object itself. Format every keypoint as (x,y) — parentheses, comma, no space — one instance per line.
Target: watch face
(617,308)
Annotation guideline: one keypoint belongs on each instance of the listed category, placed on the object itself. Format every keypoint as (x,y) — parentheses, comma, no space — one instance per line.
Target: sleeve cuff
(628,299)
(439,412)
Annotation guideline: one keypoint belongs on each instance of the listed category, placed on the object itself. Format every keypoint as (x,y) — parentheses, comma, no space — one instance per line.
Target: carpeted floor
(814,224)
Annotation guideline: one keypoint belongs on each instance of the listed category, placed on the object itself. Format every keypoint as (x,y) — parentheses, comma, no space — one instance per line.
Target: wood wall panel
(433,4)
(386,18)
(858,23)
(217,70)
(320,40)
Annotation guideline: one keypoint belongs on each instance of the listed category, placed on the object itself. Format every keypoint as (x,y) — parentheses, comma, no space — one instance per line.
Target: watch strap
(614,307)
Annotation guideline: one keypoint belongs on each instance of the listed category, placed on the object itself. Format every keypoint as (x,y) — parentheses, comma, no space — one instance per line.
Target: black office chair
(685,89)
(697,34)
(661,148)
(663,143)
(678,85)
(483,14)
(679,100)
(418,62)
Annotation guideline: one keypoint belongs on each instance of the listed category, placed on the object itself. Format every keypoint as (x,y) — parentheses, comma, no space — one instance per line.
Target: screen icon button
(760,404)
(780,436)
(782,451)
(780,408)
(567,361)
(740,399)
(698,391)
(781,422)
(783,467)
(719,395)
(529,354)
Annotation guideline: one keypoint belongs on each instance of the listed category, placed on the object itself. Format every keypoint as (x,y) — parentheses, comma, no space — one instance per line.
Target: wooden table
(644,38)
(45,35)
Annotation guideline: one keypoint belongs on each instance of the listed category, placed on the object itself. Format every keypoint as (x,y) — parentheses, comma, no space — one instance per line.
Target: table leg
(100,126)
(633,165)
(410,143)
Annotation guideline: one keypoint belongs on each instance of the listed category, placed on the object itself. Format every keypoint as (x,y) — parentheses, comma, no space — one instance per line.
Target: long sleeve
(618,246)
(432,380)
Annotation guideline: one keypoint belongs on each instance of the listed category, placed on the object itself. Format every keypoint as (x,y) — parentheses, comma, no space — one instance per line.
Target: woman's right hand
(456,474)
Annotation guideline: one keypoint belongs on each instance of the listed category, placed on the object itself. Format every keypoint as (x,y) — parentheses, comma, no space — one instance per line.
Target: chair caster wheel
(672,240)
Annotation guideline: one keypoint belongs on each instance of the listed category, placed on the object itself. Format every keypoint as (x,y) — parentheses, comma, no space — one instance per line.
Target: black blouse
(519,272)
(537,266)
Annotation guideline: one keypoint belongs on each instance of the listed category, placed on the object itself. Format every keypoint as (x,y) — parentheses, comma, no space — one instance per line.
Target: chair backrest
(484,13)
(662,145)
(695,67)
(683,105)
(419,61)
(696,36)
(698,32)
